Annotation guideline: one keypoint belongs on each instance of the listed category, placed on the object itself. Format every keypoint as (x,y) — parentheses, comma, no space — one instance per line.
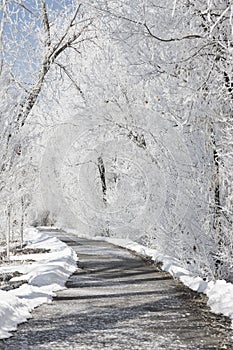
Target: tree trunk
(8,234)
(102,177)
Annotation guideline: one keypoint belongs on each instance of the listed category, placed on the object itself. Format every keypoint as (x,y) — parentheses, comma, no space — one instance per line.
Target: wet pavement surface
(115,300)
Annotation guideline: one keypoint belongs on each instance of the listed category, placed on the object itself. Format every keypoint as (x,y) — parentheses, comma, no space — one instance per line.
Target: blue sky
(23,39)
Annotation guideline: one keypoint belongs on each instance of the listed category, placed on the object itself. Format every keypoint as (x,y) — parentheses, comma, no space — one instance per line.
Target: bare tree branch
(144,24)
(71,79)
(56,46)
(18,83)
(46,23)
(186,37)
(25,7)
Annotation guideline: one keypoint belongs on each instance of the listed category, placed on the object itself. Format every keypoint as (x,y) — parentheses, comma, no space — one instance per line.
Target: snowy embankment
(219,292)
(42,274)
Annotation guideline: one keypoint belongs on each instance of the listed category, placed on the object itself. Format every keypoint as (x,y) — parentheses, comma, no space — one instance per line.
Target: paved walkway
(118,301)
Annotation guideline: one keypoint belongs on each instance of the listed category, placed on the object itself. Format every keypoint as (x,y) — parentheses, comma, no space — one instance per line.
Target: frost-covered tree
(33,37)
(181,56)
(138,135)
(141,134)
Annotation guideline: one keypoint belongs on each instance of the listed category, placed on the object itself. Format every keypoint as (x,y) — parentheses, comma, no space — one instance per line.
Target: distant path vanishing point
(117,301)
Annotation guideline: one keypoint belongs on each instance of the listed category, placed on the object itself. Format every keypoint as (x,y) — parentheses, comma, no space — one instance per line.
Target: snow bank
(48,273)
(219,292)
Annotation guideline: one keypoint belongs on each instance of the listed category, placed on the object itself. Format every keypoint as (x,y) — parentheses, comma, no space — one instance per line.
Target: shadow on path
(117,301)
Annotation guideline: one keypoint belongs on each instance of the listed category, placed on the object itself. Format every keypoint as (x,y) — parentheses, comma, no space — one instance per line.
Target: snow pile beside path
(12,312)
(219,292)
(48,273)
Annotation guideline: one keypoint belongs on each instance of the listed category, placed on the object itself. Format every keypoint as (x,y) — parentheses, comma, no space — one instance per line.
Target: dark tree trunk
(102,177)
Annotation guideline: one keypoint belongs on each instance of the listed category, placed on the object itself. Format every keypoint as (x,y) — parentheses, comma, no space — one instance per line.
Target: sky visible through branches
(22,32)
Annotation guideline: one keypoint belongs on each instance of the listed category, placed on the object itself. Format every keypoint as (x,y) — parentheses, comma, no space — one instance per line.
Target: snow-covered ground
(219,292)
(43,273)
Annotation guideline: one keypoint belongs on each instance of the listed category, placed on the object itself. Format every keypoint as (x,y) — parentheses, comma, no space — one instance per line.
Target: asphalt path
(116,300)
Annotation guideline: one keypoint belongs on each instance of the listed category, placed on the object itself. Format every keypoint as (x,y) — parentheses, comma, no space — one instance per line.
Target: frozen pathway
(118,301)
